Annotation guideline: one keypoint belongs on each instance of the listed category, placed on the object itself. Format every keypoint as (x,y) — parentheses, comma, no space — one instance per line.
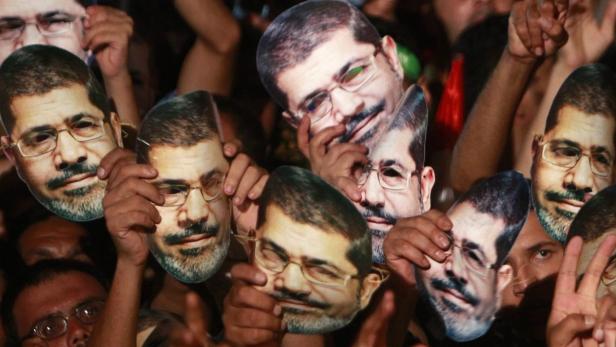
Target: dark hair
(505,196)
(162,322)
(39,69)
(412,112)
(596,216)
(295,33)
(41,272)
(308,199)
(590,89)
(180,121)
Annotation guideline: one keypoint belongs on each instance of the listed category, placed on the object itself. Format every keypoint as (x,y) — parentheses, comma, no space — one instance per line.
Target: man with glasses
(56,304)
(96,31)
(574,158)
(462,293)
(395,183)
(314,248)
(59,125)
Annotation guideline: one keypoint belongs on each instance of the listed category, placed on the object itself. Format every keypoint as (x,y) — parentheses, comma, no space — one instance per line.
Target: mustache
(195,229)
(373,211)
(358,118)
(443,285)
(65,174)
(566,195)
(285,294)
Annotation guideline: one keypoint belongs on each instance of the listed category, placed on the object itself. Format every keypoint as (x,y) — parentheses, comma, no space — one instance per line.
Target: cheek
(169,220)
(403,203)
(36,172)
(71,43)
(220,211)
(326,122)
(97,151)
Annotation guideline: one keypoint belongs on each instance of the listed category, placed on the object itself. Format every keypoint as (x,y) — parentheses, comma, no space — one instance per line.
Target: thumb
(570,328)
(195,319)
(374,330)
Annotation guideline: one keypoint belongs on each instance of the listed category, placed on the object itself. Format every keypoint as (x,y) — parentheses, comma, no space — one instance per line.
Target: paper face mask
(574,158)
(395,184)
(179,138)
(59,127)
(324,60)
(314,248)
(464,291)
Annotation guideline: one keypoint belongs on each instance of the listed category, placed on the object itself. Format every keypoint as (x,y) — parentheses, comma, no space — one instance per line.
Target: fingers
(303,136)
(244,179)
(434,225)
(231,148)
(235,173)
(594,272)
(518,20)
(534,28)
(105,25)
(569,328)
(132,186)
(257,189)
(373,332)
(125,171)
(251,177)
(194,317)
(111,159)
(565,282)
(318,144)
(248,273)
(348,187)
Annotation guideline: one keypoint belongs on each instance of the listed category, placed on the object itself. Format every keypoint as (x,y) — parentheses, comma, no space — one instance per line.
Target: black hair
(504,196)
(412,112)
(39,69)
(308,199)
(180,121)
(596,216)
(294,34)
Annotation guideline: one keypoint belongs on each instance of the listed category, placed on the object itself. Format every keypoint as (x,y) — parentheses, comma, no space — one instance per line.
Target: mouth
(195,241)
(365,123)
(378,223)
(571,205)
(297,305)
(79,180)
(456,297)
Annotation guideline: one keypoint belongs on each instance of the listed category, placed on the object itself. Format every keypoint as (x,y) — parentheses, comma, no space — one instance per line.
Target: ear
(369,285)
(427,182)
(7,149)
(504,277)
(535,145)
(116,127)
(290,119)
(391,53)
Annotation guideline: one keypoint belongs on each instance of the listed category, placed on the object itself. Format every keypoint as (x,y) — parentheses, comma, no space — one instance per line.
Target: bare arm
(209,64)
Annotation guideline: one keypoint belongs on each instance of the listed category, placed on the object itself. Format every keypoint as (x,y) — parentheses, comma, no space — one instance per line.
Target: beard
(557,224)
(194,265)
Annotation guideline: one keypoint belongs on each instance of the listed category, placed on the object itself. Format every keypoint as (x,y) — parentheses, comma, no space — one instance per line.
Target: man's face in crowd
(192,240)
(465,289)
(52,238)
(408,194)
(64,179)
(58,296)
(308,307)
(58,23)
(361,110)
(535,259)
(607,285)
(560,192)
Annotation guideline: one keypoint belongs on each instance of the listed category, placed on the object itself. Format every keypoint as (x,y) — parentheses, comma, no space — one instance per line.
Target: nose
(580,177)
(195,209)
(372,192)
(292,279)
(31,36)
(454,267)
(524,278)
(77,335)
(68,151)
(345,104)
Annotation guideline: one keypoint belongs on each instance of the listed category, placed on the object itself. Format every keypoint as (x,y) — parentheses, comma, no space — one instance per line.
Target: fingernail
(439,255)
(229,189)
(260,278)
(252,196)
(443,241)
(237,200)
(538,51)
(589,321)
(227,149)
(283,326)
(100,172)
(277,310)
(545,24)
(598,334)
(152,171)
(445,223)
(228,275)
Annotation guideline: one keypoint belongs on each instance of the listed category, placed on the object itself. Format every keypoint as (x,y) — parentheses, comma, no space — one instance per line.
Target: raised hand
(195,333)
(373,332)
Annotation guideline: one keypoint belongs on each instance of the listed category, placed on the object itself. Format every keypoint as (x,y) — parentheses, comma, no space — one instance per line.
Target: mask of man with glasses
(60,126)
(464,291)
(324,60)
(595,222)
(395,183)
(314,248)
(574,158)
(56,304)
(179,139)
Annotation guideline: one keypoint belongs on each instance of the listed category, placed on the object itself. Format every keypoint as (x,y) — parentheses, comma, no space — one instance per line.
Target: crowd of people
(308,173)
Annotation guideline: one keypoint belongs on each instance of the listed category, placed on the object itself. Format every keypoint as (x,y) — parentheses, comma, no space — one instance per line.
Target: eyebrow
(336,77)
(277,248)
(182,182)
(51,14)
(593,148)
(474,246)
(70,119)
(320,262)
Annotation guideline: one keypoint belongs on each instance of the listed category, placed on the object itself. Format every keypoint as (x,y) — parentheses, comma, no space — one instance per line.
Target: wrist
(121,78)
(527,62)
(126,263)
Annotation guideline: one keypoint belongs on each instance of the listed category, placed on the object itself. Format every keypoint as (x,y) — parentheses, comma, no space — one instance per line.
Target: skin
(60,294)
(458,15)
(589,249)
(191,165)
(476,309)
(324,63)
(589,132)
(535,259)
(52,238)
(28,10)
(393,204)
(301,243)
(54,109)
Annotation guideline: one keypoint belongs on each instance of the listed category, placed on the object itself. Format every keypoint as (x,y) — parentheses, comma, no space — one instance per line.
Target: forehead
(302,240)
(188,162)
(60,294)
(474,226)
(531,235)
(394,146)
(586,129)
(322,65)
(52,229)
(30,8)
(51,108)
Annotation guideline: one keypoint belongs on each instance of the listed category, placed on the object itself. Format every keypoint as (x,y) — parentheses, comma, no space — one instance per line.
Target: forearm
(117,326)
(120,89)
(483,139)
(204,69)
